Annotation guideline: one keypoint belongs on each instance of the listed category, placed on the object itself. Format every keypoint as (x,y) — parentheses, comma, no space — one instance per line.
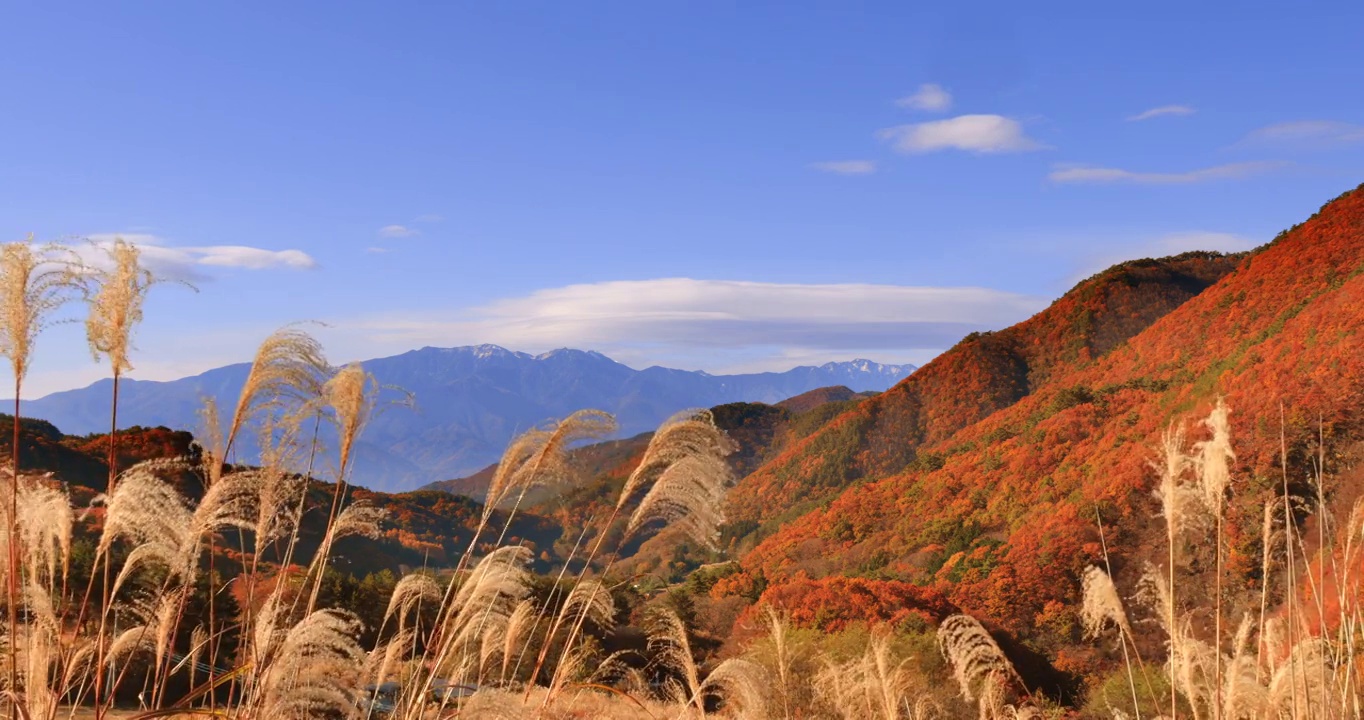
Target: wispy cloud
(930,97)
(1162,111)
(1089,174)
(185,262)
(971,133)
(846,167)
(713,324)
(377,250)
(1307,133)
(398,231)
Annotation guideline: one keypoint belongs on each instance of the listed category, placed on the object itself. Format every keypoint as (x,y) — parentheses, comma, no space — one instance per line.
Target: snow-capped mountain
(469,402)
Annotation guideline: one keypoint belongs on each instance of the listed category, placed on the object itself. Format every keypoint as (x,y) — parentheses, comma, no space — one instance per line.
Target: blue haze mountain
(469,402)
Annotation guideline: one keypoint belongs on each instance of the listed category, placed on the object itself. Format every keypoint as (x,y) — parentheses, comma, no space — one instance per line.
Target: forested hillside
(982,374)
(1005,515)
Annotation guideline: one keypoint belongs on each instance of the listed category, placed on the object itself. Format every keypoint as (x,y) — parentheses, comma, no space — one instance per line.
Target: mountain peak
(863,365)
(471,400)
(572,353)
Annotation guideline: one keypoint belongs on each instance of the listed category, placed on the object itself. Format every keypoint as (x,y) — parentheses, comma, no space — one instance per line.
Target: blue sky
(698,185)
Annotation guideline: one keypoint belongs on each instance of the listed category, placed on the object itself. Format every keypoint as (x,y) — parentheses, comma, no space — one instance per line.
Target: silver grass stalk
(269,627)
(1181,506)
(1193,663)
(592,599)
(689,495)
(279,497)
(384,662)
(539,457)
(1268,541)
(668,640)
(408,593)
(499,579)
(1300,683)
(689,433)
(289,367)
(515,635)
(351,394)
(612,669)
(229,503)
(884,682)
(744,685)
(534,459)
(198,643)
(1102,604)
(1213,461)
(783,654)
(357,520)
(973,654)
(42,640)
(493,587)
(149,513)
(35,281)
(840,686)
(135,639)
(1242,694)
(44,528)
(1213,457)
(511,468)
(316,671)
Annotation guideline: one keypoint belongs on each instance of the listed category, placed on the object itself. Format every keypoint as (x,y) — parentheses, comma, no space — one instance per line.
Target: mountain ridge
(470,401)
(980,375)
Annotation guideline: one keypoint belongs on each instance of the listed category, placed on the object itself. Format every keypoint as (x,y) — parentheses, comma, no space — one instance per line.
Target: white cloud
(930,97)
(972,133)
(398,231)
(1308,133)
(247,257)
(1161,111)
(183,262)
(377,250)
(1088,174)
(846,167)
(712,324)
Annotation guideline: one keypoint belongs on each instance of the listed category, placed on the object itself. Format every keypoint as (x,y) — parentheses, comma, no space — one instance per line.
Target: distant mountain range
(470,401)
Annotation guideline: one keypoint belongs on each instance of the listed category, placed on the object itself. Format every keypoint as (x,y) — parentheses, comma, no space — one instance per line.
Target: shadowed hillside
(761,431)
(428,529)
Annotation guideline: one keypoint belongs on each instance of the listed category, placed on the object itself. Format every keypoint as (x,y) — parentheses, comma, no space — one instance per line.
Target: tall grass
(115,290)
(35,281)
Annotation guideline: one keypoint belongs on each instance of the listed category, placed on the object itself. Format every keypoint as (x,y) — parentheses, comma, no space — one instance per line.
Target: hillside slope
(982,374)
(759,429)
(1005,519)
(428,529)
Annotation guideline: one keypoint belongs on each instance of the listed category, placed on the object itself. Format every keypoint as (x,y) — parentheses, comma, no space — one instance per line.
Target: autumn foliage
(986,474)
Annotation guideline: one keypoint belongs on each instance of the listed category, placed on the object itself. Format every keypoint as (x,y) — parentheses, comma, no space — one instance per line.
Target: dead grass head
(116,303)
